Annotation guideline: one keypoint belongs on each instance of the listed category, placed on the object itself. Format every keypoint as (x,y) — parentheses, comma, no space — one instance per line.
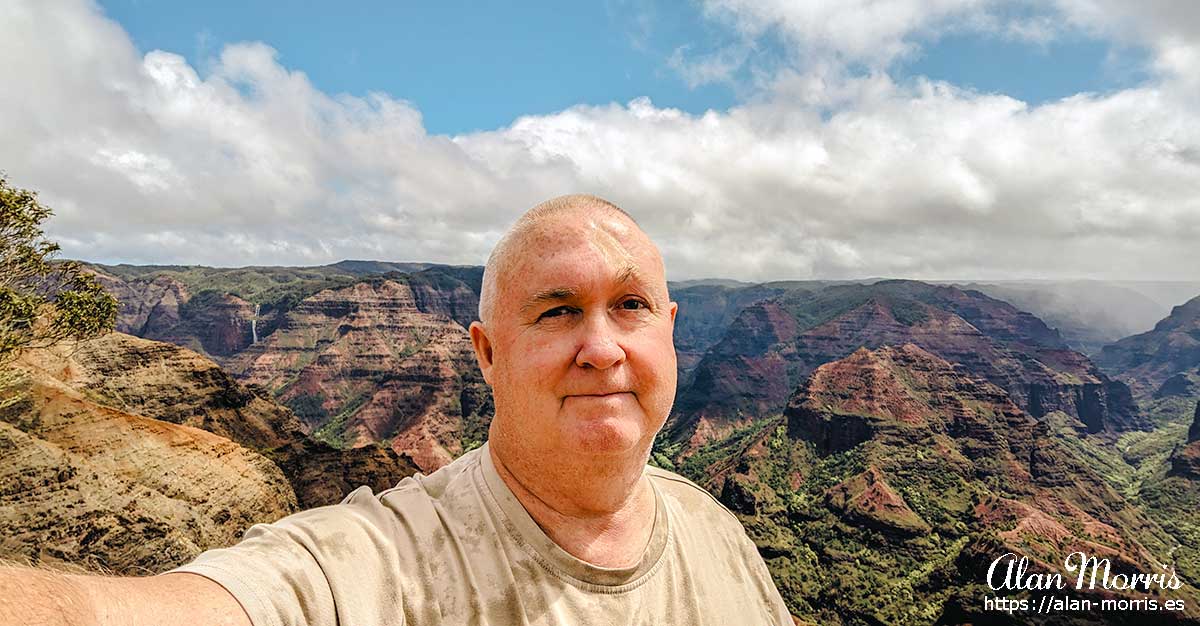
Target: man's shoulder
(692,498)
(423,505)
(678,485)
(440,483)
(372,552)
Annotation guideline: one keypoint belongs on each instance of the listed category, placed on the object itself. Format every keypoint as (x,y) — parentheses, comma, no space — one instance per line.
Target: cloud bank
(831,169)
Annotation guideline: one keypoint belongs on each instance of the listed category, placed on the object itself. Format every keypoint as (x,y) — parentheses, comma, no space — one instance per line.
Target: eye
(634,304)
(557,311)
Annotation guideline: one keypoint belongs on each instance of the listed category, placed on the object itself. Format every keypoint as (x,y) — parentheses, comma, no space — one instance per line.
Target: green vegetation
(1136,465)
(813,309)
(417,341)
(42,301)
(333,431)
(699,463)
(1174,502)
(310,409)
(907,301)
(275,288)
(448,278)
(834,567)
(201,301)
(909,312)
(1171,501)
(280,289)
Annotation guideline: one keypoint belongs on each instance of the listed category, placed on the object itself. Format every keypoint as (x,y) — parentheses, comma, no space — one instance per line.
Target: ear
(674,310)
(483,349)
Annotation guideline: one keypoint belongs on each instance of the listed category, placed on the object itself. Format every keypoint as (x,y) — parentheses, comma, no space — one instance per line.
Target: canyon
(882,441)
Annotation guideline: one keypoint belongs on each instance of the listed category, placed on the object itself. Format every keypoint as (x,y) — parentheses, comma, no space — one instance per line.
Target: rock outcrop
(908,396)
(135,455)
(88,484)
(847,402)
(706,310)
(1162,361)
(449,291)
(169,383)
(379,357)
(1185,461)
(215,324)
(365,364)
(149,306)
(868,500)
(775,344)
(173,384)
(899,458)
(322,474)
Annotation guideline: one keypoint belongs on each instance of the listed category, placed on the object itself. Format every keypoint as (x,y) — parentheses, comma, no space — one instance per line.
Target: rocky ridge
(818,498)
(1164,361)
(149,306)
(706,310)
(133,456)
(776,343)
(362,353)
(1186,460)
(172,384)
(899,458)
(1090,314)
(88,484)
(366,363)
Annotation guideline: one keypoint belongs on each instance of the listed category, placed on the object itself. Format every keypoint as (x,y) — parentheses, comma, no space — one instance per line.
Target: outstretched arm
(41,597)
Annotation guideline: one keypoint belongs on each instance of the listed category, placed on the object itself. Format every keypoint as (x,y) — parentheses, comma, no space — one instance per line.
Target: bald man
(556,520)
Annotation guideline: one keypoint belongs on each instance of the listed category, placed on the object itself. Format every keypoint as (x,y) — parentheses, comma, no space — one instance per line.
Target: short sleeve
(320,567)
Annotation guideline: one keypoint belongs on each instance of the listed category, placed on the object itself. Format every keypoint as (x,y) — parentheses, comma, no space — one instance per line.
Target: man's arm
(320,567)
(32,596)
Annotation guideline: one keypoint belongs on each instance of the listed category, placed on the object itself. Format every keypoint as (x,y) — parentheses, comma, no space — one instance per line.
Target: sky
(751,139)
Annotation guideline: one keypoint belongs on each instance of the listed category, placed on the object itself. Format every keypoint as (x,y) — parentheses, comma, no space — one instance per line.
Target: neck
(601,511)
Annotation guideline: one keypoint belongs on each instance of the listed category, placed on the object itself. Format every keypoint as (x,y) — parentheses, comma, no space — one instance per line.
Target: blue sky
(466,65)
(1033,73)
(752,139)
(479,65)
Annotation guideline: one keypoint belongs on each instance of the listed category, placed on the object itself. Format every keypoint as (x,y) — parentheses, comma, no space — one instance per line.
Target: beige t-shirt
(456,547)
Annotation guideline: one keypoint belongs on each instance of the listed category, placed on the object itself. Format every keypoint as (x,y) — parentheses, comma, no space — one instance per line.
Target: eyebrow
(627,274)
(553,294)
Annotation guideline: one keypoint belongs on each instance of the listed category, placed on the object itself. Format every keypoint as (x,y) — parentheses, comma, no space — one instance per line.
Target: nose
(600,348)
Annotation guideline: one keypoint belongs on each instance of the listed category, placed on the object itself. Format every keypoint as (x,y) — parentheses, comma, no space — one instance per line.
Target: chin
(607,435)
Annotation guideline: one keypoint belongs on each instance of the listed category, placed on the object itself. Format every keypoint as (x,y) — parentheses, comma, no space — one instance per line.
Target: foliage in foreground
(42,301)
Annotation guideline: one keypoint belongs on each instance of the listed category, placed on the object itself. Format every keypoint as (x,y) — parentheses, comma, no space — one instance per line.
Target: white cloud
(829,42)
(822,175)
(1169,28)
(823,38)
(870,32)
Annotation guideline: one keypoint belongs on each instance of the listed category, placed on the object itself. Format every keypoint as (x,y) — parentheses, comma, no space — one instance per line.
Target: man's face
(582,358)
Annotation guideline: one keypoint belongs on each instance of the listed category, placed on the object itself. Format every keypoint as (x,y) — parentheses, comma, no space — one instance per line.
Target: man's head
(575,332)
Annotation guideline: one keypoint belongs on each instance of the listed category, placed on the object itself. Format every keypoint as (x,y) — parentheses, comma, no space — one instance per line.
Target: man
(556,520)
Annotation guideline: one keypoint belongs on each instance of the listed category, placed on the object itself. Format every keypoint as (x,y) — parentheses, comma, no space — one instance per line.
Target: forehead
(568,251)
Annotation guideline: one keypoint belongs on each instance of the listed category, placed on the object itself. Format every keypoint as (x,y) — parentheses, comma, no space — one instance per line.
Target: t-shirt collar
(549,554)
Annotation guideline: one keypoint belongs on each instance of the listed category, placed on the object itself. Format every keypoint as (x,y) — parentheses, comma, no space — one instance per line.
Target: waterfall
(254,326)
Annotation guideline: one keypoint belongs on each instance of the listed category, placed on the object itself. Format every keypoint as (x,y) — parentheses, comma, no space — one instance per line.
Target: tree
(43,301)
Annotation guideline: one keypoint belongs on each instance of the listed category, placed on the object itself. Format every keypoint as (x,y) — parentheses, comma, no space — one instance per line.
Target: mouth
(597,395)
